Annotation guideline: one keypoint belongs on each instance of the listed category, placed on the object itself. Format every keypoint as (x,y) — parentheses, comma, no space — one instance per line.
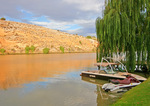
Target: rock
(15,36)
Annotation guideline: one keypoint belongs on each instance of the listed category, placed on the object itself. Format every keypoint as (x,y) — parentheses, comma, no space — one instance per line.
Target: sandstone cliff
(15,36)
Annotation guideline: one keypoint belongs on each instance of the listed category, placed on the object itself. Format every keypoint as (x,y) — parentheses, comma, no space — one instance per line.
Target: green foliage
(89,37)
(69,50)
(32,48)
(125,27)
(62,49)
(3,18)
(80,42)
(46,50)
(2,51)
(27,49)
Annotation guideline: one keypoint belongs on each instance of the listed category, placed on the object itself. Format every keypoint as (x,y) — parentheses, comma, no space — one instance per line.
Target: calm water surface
(50,80)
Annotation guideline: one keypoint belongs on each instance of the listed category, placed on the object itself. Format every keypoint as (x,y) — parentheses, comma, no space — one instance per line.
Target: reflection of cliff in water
(20,69)
(103,98)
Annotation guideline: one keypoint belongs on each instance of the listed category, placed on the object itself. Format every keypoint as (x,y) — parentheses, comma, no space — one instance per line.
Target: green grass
(137,96)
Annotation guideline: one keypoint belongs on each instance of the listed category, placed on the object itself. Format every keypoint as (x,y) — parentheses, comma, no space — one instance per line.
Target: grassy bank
(137,96)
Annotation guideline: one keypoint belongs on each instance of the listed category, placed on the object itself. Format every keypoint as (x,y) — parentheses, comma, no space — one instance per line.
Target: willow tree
(125,28)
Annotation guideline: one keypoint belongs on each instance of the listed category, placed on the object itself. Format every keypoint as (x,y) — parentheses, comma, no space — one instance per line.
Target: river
(51,80)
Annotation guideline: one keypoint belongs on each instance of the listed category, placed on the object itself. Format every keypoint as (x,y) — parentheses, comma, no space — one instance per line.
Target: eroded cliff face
(15,36)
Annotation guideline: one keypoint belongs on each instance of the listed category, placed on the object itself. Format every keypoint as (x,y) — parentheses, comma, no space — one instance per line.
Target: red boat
(121,85)
(129,79)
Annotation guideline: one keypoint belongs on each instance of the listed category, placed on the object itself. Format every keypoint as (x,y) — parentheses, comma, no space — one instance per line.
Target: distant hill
(15,36)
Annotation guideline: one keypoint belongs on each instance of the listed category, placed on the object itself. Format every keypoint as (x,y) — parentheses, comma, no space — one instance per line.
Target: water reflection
(103,98)
(50,80)
(20,69)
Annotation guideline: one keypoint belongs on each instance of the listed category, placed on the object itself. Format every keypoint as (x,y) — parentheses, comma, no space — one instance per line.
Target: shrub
(80,42)
(27,49)
(89,37)
(69,49)
(2,50)
(52,46)
(46,50)
(32,48)
(62,49)
(3,18)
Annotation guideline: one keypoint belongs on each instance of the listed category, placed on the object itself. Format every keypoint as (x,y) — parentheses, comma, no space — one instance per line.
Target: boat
(110,70)
(129,79)
(116,85)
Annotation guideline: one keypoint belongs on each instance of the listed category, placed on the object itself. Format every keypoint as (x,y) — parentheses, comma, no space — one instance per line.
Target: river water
(51,80)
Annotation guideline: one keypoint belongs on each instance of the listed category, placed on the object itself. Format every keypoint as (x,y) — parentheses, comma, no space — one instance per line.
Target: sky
(71,16)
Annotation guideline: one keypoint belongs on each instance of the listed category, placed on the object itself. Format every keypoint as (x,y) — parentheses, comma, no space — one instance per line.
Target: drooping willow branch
(125,27)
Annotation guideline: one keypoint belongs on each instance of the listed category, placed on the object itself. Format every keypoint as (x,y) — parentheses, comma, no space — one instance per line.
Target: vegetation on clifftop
(3,18)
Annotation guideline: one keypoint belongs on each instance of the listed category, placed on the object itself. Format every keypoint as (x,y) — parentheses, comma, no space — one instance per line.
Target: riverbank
(139,95)
(47,53)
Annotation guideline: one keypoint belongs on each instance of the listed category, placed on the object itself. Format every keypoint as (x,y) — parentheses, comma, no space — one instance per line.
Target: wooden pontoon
(110,71)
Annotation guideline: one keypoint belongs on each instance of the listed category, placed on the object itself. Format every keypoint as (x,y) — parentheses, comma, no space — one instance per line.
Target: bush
(62,49)
(27,49)
(69,49)
(3,18)
(32,48)
(2,50)
(89,37)
(46,50)
(80,42)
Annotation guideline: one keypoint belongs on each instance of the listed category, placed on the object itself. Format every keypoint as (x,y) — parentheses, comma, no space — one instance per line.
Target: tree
(62,49)
(125,27)
(27,49)
(2,51)
(3,19)
(32,48)
(46,50)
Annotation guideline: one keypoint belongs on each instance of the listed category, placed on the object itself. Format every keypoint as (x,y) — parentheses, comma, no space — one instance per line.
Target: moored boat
(121,85)
(110,70)
(118,87)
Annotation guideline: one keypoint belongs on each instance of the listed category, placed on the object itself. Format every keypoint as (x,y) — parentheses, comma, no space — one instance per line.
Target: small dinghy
(121,85)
